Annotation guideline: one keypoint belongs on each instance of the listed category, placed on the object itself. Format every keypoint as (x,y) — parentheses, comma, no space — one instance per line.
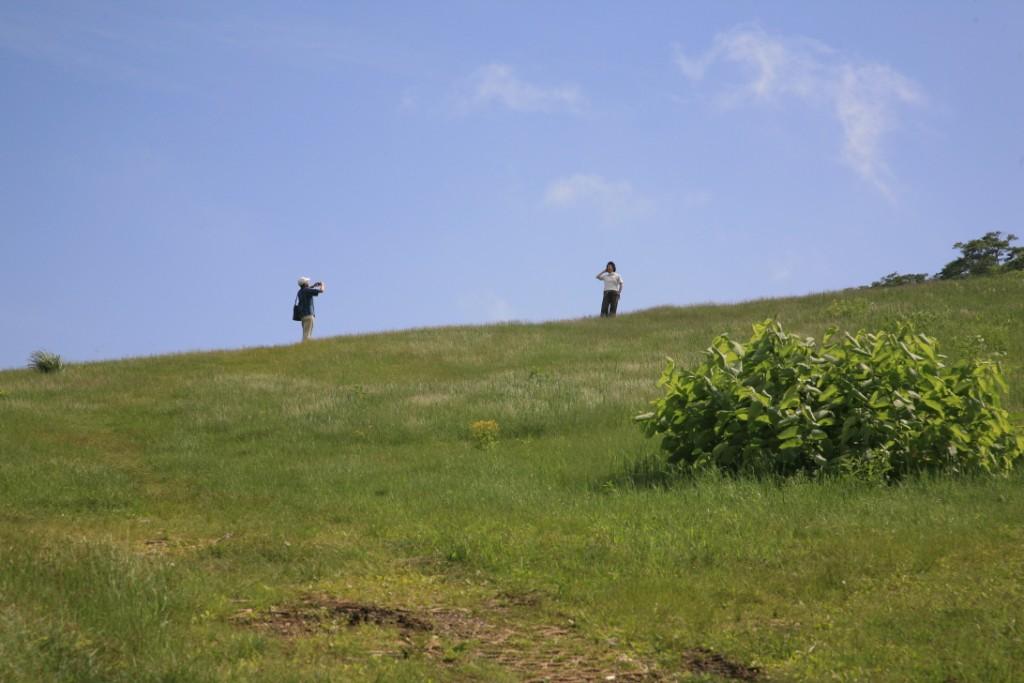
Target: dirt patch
(704,661)
(318,613)
(554,653)
(509,599)
(536,652)
(165,545)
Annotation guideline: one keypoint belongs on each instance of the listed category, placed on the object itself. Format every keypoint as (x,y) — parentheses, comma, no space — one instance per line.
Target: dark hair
(612,264)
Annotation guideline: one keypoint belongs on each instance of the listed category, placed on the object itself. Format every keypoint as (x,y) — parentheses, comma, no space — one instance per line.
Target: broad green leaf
(788,433)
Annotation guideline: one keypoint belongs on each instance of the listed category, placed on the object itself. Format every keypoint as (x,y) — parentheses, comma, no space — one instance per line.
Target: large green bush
(876,405)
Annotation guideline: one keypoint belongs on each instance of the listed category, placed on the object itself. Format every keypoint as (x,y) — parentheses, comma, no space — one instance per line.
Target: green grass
(148,505)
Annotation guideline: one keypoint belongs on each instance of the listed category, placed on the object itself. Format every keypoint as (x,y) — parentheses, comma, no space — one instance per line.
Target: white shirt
(612,281)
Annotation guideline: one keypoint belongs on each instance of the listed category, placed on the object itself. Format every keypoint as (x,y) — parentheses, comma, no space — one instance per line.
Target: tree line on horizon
(987,255)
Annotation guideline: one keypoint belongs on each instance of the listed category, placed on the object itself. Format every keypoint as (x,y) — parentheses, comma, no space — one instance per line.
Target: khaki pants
(307,327)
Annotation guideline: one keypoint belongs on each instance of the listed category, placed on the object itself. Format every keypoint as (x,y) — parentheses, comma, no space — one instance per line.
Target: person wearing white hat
(304,305)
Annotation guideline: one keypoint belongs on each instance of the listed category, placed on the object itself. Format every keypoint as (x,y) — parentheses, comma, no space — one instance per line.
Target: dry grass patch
(163,544)
(499,632)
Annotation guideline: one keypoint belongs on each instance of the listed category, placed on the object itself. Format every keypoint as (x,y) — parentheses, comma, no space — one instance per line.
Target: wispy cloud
(486,305)
(499,84)
(864,102)
(864,97)
(84,49)
(615,200)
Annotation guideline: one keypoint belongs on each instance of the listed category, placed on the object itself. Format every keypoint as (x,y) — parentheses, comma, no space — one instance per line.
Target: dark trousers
(609,304)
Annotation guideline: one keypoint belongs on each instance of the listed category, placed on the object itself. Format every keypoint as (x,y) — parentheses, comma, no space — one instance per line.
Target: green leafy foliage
(898,279)
(44,361)
(1014,260)
(990,253)
(874,405)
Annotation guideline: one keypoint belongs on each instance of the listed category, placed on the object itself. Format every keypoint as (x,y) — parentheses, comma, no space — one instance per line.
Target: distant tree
(896,279)
(987,254)
(1016,259)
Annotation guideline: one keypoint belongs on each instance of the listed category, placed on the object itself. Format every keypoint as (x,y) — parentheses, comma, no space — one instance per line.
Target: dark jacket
(306,295)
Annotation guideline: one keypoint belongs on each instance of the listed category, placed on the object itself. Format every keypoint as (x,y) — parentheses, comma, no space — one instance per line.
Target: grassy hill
(321,512)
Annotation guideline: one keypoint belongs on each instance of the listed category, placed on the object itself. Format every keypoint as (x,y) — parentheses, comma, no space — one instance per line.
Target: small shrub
(868,405)
(898,280)
(484,433)
(44,361)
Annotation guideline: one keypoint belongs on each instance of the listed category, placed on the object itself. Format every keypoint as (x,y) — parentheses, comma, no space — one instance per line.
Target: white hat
(303,281)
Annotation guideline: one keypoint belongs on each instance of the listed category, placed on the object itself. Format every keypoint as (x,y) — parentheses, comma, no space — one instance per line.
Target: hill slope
(320,512)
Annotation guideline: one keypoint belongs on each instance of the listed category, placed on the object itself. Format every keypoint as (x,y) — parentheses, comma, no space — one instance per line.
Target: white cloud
(863,103)
(488,306)
(863,97)
(615,200)
(499,84)
(574,189)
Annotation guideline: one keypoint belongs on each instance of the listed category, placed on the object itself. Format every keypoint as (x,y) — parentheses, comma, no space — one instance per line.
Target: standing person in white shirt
(612,290)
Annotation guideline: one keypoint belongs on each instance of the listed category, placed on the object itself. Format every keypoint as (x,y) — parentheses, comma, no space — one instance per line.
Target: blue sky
(167,170)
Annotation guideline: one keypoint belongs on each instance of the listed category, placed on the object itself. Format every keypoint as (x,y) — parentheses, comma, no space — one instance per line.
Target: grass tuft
(44,361)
